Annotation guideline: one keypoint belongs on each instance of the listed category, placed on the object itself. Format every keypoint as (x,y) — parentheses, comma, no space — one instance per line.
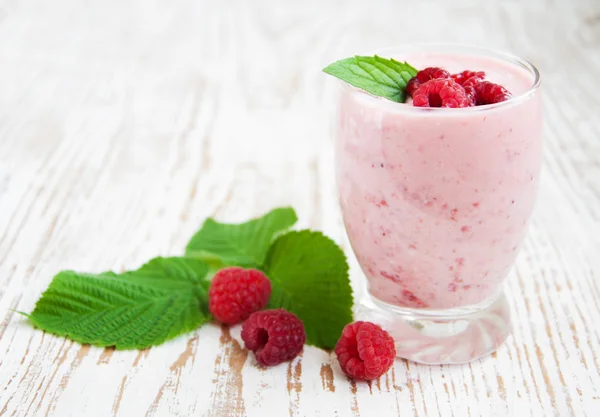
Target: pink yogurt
(436,202)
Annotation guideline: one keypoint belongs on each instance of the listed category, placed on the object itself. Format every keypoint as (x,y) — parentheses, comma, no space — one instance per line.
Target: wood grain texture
(123,124)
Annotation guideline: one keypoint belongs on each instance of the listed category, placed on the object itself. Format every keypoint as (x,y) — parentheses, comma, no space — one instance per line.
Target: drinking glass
(436,203)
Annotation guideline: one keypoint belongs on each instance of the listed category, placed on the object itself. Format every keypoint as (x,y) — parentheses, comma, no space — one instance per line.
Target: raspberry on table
(490,93)
(430,73)
(274,336)
(441,93)
(461,77)
(235,293)
(365,351)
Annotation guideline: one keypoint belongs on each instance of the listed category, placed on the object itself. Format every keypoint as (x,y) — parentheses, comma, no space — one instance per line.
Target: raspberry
(365,350)
(440,93)
(412,86)
(472,81)
(235,293)
(461,77)
(490,93)
(274,336)
(471,94)
(430,73)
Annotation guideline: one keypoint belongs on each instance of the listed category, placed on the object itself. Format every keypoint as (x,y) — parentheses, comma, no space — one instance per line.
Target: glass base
(451,336)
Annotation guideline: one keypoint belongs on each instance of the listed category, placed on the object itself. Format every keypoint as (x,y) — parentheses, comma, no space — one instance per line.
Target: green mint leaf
(133,310)
(381,77)
(244,244)
(309,277)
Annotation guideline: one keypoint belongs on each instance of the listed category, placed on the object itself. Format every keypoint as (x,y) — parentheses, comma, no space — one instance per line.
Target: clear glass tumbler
(436,203)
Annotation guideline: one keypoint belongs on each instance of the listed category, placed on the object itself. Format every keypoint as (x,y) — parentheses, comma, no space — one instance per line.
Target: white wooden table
(124,124)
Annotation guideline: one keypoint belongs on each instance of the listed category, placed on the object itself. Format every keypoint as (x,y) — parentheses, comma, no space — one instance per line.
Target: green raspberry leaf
(309,277)
(133,310)
(381,77)
(245,244)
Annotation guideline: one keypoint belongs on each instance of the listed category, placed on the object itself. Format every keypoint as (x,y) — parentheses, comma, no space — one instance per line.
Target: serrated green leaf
(309,277)
(133,310)
(245,244)
(381,77)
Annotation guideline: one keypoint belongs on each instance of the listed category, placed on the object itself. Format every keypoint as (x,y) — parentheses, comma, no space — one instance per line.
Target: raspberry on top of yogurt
(427,74)
(430,87)
(435,87)
(441,92)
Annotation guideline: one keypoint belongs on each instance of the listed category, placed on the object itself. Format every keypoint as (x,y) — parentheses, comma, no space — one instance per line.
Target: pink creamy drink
(436,201)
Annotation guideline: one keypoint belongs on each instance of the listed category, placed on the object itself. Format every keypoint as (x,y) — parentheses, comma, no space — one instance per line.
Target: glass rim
(466,48)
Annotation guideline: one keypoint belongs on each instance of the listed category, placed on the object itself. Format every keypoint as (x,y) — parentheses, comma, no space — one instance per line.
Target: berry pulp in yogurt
(436,201)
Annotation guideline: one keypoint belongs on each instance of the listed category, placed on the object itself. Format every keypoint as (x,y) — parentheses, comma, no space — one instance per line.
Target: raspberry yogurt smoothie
(436,202)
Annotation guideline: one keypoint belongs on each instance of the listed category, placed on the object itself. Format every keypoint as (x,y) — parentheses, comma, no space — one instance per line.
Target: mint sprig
(169,296)
(133,310)
(378,76)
